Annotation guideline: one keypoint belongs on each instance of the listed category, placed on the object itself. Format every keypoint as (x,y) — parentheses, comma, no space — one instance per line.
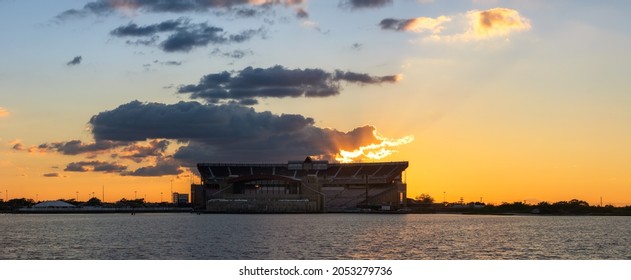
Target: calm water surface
(315,236)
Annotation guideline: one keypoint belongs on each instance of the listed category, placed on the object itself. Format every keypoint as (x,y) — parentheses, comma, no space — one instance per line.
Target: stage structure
(307,186)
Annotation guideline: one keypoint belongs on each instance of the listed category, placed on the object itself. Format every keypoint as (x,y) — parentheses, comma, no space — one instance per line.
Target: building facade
(179,198)
(300,186)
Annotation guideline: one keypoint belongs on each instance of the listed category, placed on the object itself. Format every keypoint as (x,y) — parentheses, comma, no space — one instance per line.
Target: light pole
(161,197)
(444,200)
(135,195)
(77,196)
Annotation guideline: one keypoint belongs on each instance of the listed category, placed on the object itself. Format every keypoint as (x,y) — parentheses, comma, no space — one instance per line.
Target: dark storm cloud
(95,166)
(106,7)
(183,35)
(359,4)
(75,61)
(224,132)
(75,147)
(136,121)
(51,175)
(276,82)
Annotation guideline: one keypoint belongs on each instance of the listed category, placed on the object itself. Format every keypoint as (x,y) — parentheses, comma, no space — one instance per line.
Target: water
(315,236)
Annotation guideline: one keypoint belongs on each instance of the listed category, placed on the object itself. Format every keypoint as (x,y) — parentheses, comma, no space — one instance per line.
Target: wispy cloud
(241,8)
(183,35)
(363,4)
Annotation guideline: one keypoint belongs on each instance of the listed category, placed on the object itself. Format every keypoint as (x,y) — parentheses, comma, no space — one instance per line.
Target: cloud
(301,13)
(75,61)
(140,151)
(18,146)
(236,54)
(95,166)
(276,82)
(129,7)
(51,175)
(359,4)
(4,112)
(75,147)
(162,168)
(183,35)
(420,24)
(224,132)
(142,132)
(496,22)
(480,25)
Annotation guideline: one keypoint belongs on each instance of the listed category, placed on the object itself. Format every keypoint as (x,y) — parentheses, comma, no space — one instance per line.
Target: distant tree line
(17,203)
(424,203)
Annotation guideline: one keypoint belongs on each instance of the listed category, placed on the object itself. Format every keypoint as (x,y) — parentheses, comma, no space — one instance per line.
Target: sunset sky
(495,100)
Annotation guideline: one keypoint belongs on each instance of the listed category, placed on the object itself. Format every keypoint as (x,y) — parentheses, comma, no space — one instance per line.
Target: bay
(312,236)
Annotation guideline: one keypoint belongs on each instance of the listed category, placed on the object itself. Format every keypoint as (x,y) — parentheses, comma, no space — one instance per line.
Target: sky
(489,100)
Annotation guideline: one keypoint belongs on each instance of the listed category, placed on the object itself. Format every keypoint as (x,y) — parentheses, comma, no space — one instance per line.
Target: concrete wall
(261,205)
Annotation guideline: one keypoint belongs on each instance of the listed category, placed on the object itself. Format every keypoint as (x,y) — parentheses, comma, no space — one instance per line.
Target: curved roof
(53,204)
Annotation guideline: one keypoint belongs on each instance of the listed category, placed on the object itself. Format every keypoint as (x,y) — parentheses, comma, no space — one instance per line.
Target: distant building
(300,186)
(180,198)
(54,204)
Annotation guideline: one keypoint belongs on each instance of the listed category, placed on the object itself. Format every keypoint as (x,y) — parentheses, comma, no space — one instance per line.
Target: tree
(93,202)
(424,198)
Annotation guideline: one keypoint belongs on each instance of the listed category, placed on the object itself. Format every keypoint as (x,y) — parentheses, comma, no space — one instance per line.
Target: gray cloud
(359,4)
(138,152)
(301,13)
(107,7)
(224,132)
(275,82)
(162,168)
(75,147)
(236,54)
(95,166)
(133,29)
(75,61)
(18,146)
(51,175)
(183,35)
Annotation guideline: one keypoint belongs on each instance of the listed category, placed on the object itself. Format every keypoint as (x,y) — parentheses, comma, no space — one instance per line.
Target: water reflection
(316,236)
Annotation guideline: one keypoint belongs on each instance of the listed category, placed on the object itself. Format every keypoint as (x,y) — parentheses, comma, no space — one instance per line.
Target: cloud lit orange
(496,22)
